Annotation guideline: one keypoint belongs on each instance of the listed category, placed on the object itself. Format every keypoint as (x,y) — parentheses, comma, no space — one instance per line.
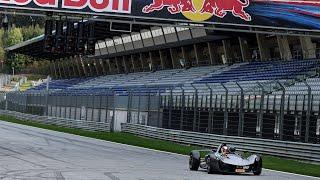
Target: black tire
(257,166)
(194,163)
(210,168)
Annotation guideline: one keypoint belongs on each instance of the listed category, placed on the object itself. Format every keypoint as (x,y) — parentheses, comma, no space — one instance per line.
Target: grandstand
(246,74)
(187,98)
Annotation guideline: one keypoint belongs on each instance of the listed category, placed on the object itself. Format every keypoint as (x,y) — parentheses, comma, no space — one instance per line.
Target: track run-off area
(38,154)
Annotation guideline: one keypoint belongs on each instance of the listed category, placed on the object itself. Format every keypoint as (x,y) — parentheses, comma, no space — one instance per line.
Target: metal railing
(63,122)
(299,151)
(199,108)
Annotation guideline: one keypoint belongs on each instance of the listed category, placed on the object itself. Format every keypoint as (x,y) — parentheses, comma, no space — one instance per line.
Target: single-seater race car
(225,159)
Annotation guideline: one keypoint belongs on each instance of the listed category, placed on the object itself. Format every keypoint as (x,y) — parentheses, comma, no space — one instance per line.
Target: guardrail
(294,150)
(63,122)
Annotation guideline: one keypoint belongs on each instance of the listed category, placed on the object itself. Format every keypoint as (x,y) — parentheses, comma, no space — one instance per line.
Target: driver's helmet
(224,149)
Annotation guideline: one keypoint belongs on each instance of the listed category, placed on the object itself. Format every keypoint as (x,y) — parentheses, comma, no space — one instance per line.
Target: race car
(225,159)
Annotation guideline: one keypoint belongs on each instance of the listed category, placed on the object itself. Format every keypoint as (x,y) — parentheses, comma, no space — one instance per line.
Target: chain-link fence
(207,108)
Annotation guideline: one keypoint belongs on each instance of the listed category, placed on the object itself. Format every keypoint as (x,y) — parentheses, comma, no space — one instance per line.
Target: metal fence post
(210,123)
(60,104)
(182,108)
(93,106)
(107,105)
(170,107)
(32,103)
(46,101)
(70,100)
(241,115)
(75,107)
(65,105)
(195,108)
(148,107)
(114,111)
(260,116)
(139,107)
(225,123)
(308,113)
(281,110)
(99,111)
(129,106)
(159,106)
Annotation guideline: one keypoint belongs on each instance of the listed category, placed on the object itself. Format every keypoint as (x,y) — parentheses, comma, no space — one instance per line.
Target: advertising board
(297,14)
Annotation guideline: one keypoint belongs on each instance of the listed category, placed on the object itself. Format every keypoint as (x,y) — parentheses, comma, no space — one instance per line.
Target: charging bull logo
(173,6)
(220,8)
(201,10)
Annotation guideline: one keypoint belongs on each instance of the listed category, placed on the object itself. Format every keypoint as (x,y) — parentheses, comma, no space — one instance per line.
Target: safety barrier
(294,150)
(63,122)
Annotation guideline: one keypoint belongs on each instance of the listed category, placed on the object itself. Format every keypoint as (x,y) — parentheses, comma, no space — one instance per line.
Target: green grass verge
(269,162)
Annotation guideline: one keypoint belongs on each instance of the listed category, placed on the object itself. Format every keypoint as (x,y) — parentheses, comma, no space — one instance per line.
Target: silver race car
(225,159)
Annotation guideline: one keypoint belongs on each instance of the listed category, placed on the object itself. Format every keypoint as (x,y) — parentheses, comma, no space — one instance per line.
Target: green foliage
(31,32)
(15,36)
(269,162)
(2,52)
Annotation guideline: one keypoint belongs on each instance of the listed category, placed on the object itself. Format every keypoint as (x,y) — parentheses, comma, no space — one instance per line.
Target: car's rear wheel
(194,163)
(257,166)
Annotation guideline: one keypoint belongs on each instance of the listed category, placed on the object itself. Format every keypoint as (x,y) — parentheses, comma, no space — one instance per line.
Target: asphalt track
(36,154)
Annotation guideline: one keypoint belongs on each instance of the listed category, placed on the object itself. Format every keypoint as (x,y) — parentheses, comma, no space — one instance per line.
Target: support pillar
(78,64)
(74,69)
(59,70)
(68,67)
(83,66)
(125,64)
(211,53)
(95,64)
(197,54)
(173,54)
(141,61)
(263,48)
(109,66)
(162,60)
(118,66)
(132,63)
(64,72)
(102,67)
(55,72)
(245,51)
(308,48)
(284,47)
(226,49)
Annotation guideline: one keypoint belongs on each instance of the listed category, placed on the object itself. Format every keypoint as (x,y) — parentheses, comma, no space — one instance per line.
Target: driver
(225,150)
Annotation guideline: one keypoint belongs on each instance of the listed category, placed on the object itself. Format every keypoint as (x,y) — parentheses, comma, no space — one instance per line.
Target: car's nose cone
(235,160)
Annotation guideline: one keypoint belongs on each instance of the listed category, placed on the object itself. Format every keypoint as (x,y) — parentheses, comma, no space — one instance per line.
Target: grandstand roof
(34,47)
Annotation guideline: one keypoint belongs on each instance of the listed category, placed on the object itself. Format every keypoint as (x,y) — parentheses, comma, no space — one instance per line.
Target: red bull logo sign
(201,10)
(298,14)
(119,6)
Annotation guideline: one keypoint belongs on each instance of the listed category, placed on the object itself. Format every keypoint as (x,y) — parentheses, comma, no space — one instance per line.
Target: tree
(13,37)
(2,52)
(31,32)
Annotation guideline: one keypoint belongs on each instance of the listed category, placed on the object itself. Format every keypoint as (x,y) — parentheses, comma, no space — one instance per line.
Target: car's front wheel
(194,163)
(257,166)
(210,168)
